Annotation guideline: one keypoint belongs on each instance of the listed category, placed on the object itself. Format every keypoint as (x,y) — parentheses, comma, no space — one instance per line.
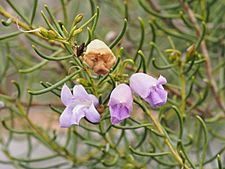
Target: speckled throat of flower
(99,57)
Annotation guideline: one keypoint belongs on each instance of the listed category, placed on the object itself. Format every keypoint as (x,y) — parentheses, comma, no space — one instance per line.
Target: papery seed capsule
(99,57)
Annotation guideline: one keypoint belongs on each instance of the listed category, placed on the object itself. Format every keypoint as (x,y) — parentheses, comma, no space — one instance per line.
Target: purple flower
(149,88)
(120,103)
(78,105)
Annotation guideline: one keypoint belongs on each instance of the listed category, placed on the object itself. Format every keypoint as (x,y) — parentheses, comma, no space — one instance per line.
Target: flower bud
(52,34)
(6,23)
(99,57)
(174,55)
(83,82)
(77,31)
(130,158)
(190,52)
(129,166)
(77,19)
(43,32)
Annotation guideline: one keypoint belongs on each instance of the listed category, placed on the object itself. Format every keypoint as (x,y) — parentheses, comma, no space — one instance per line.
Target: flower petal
(80,93)
(92,114)
(94,99)
(121,95)
(65,117)
(161,80)
(141,84)
(118,113)
(120,103)
(97,44)
(115,120)
(157,97)
(78,114)
(163,95)
(66,95)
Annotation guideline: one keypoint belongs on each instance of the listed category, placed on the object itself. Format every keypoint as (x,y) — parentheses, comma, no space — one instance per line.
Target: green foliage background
(182,40)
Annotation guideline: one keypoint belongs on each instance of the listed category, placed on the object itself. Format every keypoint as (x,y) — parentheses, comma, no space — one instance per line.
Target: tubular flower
(120,103)
(99,57)
(78,105)
(149,88)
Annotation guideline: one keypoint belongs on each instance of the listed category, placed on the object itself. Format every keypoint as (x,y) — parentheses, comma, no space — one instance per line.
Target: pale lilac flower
(149,88)
(120,103)
(78,105)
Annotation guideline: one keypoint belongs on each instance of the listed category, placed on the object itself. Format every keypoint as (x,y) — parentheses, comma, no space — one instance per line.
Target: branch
(205,53)
(15,20)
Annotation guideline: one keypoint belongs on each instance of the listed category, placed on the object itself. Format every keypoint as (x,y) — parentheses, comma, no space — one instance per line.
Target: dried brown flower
(99,57)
